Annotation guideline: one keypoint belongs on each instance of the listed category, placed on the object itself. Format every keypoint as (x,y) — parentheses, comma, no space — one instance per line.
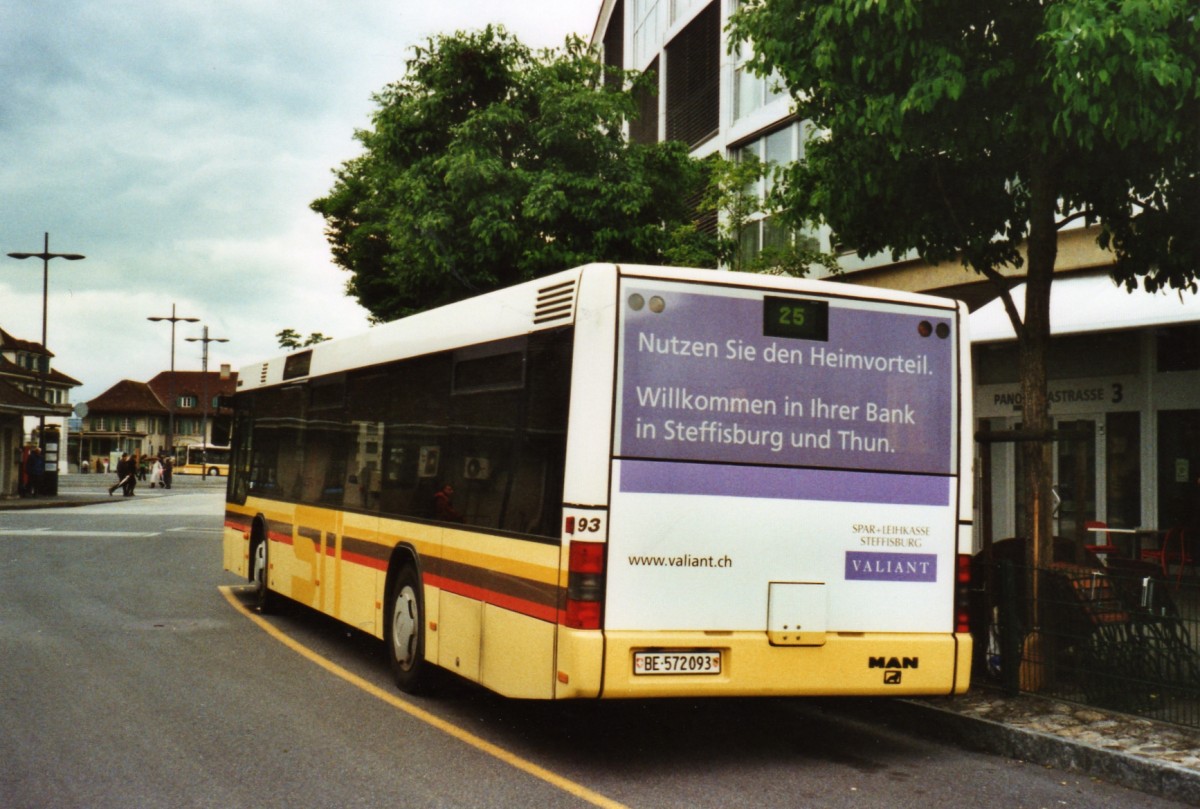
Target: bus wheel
(406,633)
(264,599)
(214,472)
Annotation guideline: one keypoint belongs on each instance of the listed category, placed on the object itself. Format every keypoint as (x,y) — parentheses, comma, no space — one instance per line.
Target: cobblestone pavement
(1142,754)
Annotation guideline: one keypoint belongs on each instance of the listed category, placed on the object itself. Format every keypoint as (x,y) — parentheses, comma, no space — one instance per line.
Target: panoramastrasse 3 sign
(742,377)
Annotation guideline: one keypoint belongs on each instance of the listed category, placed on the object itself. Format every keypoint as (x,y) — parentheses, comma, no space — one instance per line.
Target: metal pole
(44,365)
(204,382)
(171,382)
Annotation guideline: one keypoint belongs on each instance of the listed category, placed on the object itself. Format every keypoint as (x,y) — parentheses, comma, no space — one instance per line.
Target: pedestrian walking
(126,475)
(156,473)
(35,469)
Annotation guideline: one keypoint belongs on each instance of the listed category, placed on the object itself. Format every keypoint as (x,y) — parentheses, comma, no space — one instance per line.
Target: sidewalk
(1141,754)
(1151,757)
(86,490)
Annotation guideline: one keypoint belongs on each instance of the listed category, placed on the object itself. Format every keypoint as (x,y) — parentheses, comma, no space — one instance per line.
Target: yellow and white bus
(202,459)
(626,481)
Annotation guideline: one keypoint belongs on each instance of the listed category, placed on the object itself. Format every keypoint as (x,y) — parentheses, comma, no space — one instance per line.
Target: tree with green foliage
(976,131)
(489,164)
(734,191)
(290,338)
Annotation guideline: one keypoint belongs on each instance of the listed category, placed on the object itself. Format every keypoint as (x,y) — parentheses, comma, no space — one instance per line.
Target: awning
(1089,303)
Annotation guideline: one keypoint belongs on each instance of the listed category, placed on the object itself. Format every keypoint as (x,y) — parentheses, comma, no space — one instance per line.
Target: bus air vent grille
(555,302)
(262,376)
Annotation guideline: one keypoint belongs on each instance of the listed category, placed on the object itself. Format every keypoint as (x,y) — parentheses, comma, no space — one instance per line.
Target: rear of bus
(784,501)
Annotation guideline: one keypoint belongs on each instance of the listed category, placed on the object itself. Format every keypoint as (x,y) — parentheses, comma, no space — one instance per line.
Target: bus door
(316,545)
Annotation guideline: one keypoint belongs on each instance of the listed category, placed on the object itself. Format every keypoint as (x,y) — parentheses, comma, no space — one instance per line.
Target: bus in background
(202,459)
(626,481)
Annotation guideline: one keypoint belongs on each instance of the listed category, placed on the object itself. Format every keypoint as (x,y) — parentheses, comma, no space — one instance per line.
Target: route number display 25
(795,318)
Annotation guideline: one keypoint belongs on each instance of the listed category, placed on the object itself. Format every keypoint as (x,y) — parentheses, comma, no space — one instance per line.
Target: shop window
(1123,477)
(1076,356)
(1177,349)
(1178,464)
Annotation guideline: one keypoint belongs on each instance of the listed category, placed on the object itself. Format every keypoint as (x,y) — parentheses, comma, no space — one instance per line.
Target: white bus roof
(544,303)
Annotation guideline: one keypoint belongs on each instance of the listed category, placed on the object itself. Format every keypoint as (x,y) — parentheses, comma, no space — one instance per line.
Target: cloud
(178,145)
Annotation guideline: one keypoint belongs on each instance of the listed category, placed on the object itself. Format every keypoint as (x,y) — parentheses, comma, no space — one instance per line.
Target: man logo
(891,678)
(893,662)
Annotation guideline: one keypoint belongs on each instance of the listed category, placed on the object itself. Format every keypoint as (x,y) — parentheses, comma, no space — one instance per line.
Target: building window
(680,7)
(693,60)
(614,43)
(644,127)
(186,401)
(646,31)
(774,150)
(750,92)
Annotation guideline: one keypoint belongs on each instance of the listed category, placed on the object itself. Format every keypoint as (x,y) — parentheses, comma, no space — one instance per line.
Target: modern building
(1124,369)
(136,417)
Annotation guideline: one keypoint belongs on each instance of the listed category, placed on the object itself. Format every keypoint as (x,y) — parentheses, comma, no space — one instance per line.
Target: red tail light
(585,585)
(962,593)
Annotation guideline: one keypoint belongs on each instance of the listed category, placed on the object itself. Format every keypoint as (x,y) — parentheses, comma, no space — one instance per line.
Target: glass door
(1075,475)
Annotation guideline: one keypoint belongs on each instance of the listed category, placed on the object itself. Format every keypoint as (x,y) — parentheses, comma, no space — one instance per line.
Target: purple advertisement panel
(872,566)
(730,376)
(777,483)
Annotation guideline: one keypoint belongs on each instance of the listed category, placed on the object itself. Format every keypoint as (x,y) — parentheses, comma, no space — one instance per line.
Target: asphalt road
(130,675)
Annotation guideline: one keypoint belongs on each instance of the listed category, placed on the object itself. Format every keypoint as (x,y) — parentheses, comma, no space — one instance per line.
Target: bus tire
(214,472)
(405,632)
(264,600)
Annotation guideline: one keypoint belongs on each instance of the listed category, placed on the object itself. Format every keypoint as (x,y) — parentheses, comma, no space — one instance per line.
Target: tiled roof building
(135,417)
(31,391)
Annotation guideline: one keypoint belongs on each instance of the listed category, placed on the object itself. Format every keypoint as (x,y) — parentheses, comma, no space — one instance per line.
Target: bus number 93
(584,525)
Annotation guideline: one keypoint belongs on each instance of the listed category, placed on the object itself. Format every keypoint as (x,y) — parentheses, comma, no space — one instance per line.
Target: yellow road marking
(565,784)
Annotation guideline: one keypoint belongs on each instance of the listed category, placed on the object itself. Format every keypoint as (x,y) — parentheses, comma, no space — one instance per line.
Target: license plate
(685,662)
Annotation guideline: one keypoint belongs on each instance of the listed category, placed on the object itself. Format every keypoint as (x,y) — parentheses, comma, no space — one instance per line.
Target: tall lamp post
(45,256)
(204,367)
(171,407)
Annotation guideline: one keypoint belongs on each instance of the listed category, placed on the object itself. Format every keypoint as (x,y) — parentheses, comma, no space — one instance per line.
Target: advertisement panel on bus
(832,421)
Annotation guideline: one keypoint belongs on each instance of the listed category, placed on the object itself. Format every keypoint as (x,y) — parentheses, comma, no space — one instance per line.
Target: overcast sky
(178,146)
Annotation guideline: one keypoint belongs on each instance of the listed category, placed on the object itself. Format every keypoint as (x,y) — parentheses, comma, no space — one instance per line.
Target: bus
(626,481)
(202,459)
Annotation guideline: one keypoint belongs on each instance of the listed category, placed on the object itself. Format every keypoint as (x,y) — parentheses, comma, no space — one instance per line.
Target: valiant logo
(892,674)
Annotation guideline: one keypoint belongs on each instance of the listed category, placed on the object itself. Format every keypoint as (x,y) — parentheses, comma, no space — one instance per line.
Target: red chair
(1177,549)
(1101,551)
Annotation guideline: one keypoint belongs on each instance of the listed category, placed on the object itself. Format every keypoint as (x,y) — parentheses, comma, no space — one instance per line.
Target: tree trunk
(1038,522)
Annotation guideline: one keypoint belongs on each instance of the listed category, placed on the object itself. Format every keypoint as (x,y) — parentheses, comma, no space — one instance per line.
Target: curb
(36,505)
(1161,778)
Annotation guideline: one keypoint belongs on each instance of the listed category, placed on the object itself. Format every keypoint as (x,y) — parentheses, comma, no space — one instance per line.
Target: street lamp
(45,256)
(204,367)
(171,408)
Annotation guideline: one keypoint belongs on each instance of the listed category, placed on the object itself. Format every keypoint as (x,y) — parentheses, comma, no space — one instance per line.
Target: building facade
(172,410)
(1128,385)
(32,392)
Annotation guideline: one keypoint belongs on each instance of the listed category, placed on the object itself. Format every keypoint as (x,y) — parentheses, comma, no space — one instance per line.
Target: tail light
(585,585)
(962,593)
